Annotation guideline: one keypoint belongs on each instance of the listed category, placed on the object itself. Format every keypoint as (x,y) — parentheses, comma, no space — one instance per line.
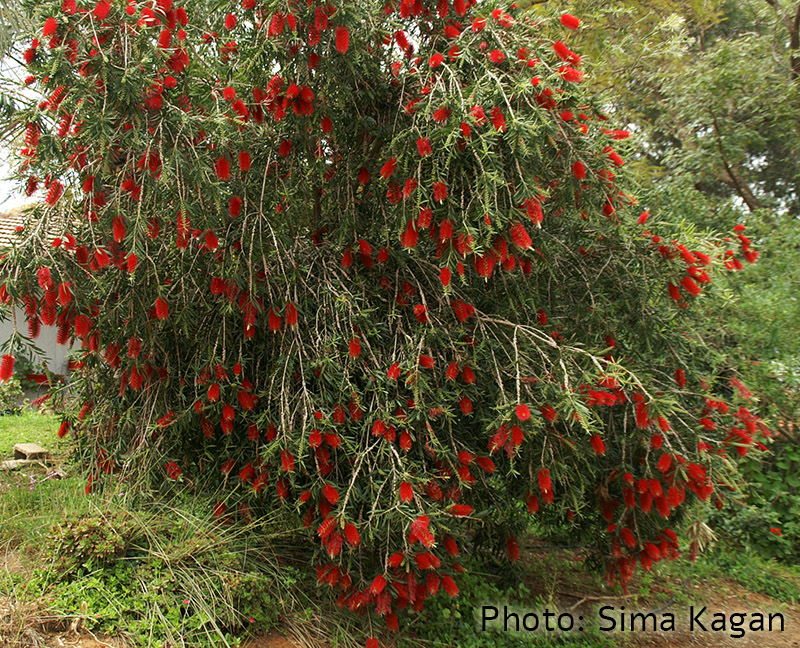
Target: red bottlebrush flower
(532,504)
(230,21)
(466,405)
(512,549)
(569,21)
(643,217)
(119,227)
(287,461)
(570,74)
(222,168)
(579,170)
(406,492)
(496,56)
(441,115)
(410,236)
(274,321)
(436,60)
(50,27)
(291,314)
(347,258)
(235,207)
(162,308)
(597,444)
(708,423)
(285,148)
(534,210)
(628,538)
(674,292)
(468,375)
(614,156)
(777,532)
(449,586)
(64,294)
(388,168)
(421,313)
(6,367)
(102,9)
(213,393)
(520,236)
(445,276)
(44,278)
(330,494)
(523,412)
(326,125)
(409,187)
(565,53)
(173,470)
(439,191)
(690,286)
(363,176)
(244,161)
(54,193)
(164,39)
(545,484)
(426,362)
(405,442)
(498,120)
(664,463)
(246,400)
(394,372)
(342,39)
(452,371)
(424,146)
(63,429)
(351,535)
(229,93)
(461,510)
(355,348)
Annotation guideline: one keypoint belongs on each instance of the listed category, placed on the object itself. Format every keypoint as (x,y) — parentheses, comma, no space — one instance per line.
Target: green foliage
(458,623)
(767,522)
(751,570)
(165,577)
(88,542)
(11,396)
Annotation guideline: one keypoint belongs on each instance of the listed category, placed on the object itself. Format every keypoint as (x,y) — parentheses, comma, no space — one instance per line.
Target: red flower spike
(6,367)
(161,308)
(569,21)
(102,9)
(597,444)
(342,39)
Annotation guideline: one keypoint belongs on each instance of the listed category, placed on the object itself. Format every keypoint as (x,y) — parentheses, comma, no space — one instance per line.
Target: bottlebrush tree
(374,264)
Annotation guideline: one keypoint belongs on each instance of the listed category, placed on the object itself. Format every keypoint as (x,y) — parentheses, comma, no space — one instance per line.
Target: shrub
(376,265)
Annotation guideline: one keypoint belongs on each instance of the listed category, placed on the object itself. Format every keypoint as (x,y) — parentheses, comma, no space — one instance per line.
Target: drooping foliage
(374,264)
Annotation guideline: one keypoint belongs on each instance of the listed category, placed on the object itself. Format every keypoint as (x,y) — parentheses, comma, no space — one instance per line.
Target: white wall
(56,354)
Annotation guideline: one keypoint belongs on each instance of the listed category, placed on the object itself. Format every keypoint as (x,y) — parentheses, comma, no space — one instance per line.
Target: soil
(566,588)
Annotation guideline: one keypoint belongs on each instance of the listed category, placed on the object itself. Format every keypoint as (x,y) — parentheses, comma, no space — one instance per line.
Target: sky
(11,193)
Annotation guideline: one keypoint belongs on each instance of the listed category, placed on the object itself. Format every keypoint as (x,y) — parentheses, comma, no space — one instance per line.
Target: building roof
(10,221)
(14,221)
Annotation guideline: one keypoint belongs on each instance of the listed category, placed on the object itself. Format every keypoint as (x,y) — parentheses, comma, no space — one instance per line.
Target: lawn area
(28,427)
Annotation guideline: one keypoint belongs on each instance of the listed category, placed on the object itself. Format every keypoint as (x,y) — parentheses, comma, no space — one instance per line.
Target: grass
(28,427)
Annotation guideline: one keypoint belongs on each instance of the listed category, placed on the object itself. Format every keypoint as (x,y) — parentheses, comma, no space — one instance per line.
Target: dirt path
(552,576)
